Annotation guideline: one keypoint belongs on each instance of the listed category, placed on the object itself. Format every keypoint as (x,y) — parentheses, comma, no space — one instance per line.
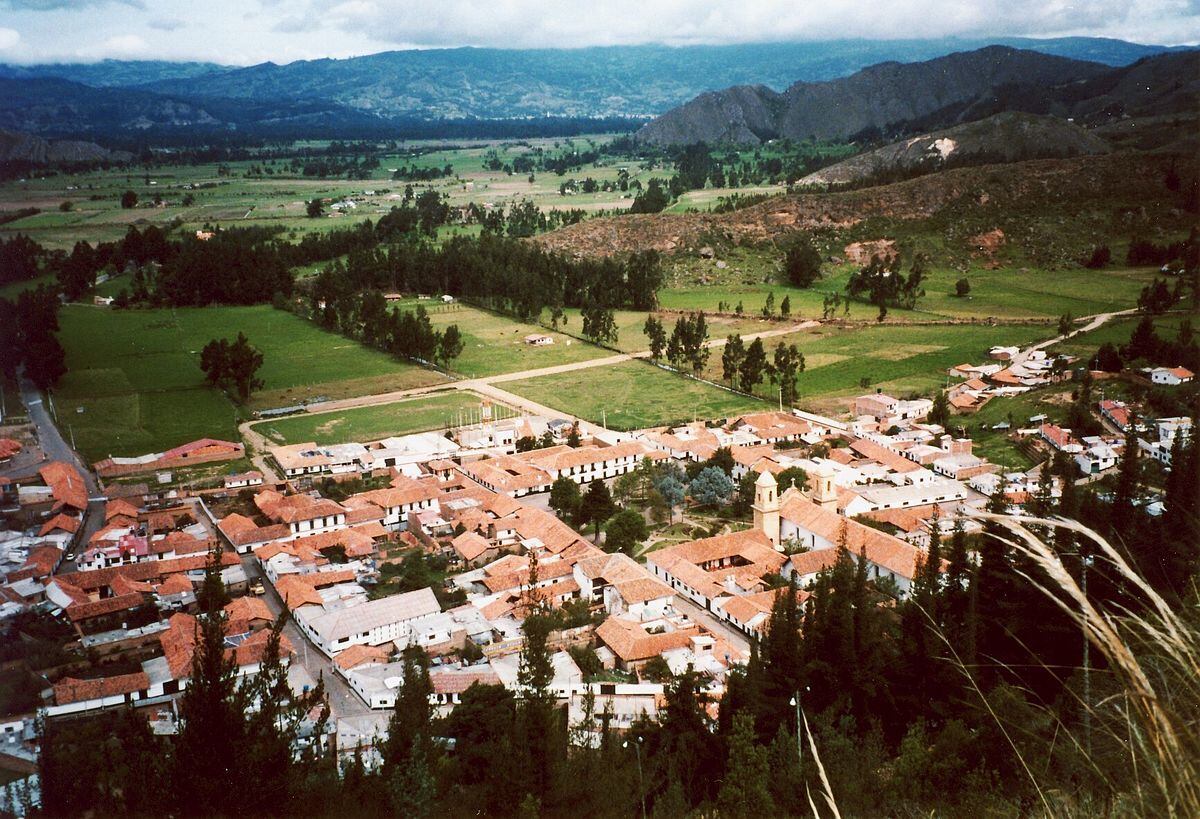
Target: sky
(245,32)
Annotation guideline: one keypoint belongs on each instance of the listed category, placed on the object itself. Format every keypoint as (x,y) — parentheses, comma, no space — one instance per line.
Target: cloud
(250,31)
(567,23)
(167,23)
(55,5)
(9,37)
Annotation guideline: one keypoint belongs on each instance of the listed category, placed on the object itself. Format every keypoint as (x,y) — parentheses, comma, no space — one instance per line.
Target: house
(244,479)
(1096,456)
(335,628)
(8,449)
(1115,412)
(709,569)
(202,451)
(776,427)
(1171,376)
(539,339)
(886,409)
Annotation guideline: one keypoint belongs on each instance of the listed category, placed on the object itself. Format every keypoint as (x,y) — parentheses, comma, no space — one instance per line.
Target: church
(806,524)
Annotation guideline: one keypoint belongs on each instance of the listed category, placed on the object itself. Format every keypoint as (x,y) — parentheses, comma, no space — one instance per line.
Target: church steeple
(766,506)
(824,492)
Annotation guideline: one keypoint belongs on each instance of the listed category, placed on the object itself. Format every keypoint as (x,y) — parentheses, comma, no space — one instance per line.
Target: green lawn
(632,395)
(432,412)
(136,375)
(841,362)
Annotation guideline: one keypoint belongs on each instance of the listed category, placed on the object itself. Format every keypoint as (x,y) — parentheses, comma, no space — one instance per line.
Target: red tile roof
(69,689)
(66,484)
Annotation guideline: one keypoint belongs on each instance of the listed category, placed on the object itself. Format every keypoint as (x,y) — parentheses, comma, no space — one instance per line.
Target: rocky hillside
(27,148)
(919,97)
(987,195)
(1007,137)
(869,99)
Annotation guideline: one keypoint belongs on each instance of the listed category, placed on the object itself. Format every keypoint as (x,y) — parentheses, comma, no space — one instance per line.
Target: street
(707,619)
(57,449)
(343,702)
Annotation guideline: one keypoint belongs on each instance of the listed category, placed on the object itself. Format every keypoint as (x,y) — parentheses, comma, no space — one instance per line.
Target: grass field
(1011,292)
(136,373)
(632,339)
(432,412)
(843,362)
(494,344)
(632,395)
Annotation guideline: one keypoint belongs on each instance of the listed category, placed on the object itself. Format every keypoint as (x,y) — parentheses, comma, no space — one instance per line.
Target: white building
(375,622)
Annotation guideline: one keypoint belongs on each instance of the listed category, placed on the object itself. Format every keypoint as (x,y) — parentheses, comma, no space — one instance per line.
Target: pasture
(633,395)
(842,362)
(494,344)
(432,412)
(136,373)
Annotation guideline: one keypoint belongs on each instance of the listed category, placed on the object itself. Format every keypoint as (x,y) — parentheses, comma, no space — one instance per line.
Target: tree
(653,328)
(1099,258)
(792,476)
(409,732)
(753,366)
(711,487)
(207,765)
(732,357)
(802,263)
(565,497)
(1108,359)
(1065,322)
(45,360)
(129,199)
(785,306)
(599,325)
(962,288)
(596,506)
(451,344)
(314,208)
(940,412)
(214,361)
(241,365)
(625,532)
(672,491)
(745,788)
(787,366)
(573,438)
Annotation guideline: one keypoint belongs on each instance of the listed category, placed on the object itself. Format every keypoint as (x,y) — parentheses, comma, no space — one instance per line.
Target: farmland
(136,377)
(633,394)
(433,412)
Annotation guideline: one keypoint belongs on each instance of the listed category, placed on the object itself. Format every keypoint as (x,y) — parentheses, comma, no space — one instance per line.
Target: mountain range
(457,84)
(905,98)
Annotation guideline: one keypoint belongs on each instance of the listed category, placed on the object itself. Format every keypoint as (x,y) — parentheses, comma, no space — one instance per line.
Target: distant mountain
(423,93)
(894,98)
(27,148)
(111,72)
(870,99)
(1006,137)
(52,106)
(609,81)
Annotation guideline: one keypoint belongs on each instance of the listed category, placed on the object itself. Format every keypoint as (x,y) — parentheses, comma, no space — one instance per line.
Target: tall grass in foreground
(1152,654)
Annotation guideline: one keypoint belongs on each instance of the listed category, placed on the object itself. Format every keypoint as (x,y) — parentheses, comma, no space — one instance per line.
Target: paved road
(343,702)
(57,449)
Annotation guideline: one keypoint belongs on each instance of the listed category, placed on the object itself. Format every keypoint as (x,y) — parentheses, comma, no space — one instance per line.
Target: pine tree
(745,790)
(208,767)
